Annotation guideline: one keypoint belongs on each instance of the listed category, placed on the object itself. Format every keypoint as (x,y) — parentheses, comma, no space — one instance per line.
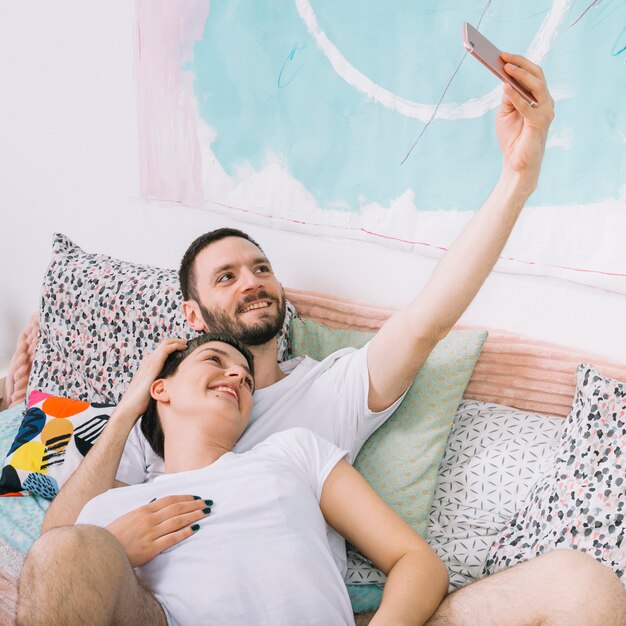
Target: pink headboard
(21,362)
(515,371)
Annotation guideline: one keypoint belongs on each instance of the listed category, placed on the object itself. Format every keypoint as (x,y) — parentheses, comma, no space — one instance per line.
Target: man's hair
(187,272)
(150,422)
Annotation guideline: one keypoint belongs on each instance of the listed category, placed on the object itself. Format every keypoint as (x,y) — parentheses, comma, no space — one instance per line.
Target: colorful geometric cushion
(494,456)
(54,436)
(581,502)
(400,460)
(20,518)
(98,317)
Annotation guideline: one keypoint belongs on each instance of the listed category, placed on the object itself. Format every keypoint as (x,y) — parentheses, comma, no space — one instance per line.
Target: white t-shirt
(262,555)
(327,397)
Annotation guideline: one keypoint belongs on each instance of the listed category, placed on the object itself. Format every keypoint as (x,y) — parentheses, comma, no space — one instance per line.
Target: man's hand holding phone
(527,108)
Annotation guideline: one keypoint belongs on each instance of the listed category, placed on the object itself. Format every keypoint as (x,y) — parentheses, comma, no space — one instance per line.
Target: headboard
(515,371)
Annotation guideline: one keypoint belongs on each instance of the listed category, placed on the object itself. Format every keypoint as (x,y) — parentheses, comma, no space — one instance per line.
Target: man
(236,565)
(232,285)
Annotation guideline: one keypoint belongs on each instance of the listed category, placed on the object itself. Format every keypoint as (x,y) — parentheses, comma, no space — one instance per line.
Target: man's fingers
(523,62)
(525,78)
(517,101)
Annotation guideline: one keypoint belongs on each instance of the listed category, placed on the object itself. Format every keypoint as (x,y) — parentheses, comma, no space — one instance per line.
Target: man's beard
(249,334)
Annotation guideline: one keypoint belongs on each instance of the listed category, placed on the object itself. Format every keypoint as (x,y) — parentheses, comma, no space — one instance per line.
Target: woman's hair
(150,422)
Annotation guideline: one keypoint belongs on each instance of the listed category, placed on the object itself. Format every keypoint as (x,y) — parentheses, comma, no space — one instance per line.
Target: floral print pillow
(99,316)
(581,502)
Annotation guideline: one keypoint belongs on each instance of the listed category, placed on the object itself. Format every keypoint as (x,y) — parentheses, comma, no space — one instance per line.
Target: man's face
(238,292)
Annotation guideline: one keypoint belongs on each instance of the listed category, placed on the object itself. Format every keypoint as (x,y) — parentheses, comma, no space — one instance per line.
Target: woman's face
(213,379)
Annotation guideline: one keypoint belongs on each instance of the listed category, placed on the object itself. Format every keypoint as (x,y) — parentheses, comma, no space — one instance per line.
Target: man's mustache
(261,295)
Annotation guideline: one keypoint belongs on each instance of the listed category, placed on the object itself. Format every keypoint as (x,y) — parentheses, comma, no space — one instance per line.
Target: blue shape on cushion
(365,598)
(42,485)
(9,481)
(32,424)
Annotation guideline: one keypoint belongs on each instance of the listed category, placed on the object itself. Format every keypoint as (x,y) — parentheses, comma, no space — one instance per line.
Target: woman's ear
(158,390)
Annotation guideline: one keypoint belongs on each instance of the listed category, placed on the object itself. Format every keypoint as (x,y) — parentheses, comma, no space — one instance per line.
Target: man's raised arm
(97,471)
(402,345)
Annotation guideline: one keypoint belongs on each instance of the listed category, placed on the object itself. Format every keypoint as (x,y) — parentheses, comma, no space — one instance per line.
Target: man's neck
(266,370)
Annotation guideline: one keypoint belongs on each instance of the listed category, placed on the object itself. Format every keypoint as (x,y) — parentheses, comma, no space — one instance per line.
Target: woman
(248,544)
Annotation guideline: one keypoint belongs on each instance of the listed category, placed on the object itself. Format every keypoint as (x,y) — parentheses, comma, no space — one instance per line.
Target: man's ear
(158,391)
(191,311)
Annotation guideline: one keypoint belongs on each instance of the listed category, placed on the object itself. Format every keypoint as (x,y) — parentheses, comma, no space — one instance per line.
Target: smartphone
(481,48)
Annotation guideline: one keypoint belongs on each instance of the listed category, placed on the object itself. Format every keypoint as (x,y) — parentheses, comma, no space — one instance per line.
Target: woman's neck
(189,451)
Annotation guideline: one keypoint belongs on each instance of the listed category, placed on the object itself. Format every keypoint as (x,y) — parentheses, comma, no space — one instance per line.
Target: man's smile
(256,305)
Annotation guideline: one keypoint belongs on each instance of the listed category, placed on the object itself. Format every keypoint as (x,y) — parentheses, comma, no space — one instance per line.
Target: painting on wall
(368,120)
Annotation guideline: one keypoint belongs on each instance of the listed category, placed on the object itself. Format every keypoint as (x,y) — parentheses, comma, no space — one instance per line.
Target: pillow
(493,458)
(580,503)
(20,518)
(400,460)
(98,317)
(53,437)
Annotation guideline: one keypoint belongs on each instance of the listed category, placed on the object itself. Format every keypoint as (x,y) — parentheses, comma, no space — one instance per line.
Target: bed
(502,437)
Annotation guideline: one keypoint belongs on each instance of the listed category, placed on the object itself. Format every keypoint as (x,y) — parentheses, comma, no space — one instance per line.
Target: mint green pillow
(401,459)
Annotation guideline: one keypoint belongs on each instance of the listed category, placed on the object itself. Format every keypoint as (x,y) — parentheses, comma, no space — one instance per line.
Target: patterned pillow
(98,317)
(581,502)
(54,436)
(493,458)
(400,460)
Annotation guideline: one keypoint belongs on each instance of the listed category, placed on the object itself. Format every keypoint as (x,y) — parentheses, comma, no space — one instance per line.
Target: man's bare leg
(563,587)
(80,575)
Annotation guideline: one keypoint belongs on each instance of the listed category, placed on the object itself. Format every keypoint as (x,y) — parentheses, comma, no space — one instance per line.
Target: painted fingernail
(197,498)
(206,510)
(153,499)
(209,502)
(195,527)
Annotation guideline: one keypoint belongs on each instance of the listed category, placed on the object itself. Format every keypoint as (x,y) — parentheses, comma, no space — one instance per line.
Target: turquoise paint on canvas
(265,87)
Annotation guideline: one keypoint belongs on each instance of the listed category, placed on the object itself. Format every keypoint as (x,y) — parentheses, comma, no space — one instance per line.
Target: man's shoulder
(304,363)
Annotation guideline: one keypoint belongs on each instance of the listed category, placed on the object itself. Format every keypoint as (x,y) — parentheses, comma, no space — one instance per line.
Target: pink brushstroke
(169,152)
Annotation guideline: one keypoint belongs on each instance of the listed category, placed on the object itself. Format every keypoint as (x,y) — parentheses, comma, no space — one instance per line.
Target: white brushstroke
(560,140)
(473,108)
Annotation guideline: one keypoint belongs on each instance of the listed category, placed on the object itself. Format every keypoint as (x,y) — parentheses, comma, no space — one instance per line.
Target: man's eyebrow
(223,353)
(229,266)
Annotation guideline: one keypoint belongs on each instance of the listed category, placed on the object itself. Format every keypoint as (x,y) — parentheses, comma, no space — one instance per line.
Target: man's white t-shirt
(262,555)
(327,397)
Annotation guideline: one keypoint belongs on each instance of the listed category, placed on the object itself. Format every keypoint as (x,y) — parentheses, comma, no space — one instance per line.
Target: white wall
(68,163)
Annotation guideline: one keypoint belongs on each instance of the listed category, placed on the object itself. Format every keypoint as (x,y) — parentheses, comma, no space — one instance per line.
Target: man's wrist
(519,182)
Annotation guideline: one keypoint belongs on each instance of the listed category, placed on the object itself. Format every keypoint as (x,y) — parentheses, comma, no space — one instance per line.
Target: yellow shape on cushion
(28,457)
(60,430)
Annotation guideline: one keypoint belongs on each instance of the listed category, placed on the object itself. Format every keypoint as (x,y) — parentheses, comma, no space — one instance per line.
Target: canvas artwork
(368,120)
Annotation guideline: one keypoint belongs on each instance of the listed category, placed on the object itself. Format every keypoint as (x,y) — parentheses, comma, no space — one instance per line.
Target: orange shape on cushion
(28,457)
(63,407)
(58,430)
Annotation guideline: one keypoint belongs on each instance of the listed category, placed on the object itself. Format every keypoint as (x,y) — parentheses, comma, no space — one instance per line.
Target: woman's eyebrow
(224,353)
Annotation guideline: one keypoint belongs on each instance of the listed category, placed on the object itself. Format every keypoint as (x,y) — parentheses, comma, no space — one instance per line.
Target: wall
(68,162)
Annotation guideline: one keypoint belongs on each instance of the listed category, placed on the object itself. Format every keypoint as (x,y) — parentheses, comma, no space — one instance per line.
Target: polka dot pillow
(581,502)
(98,317)
(53,438)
